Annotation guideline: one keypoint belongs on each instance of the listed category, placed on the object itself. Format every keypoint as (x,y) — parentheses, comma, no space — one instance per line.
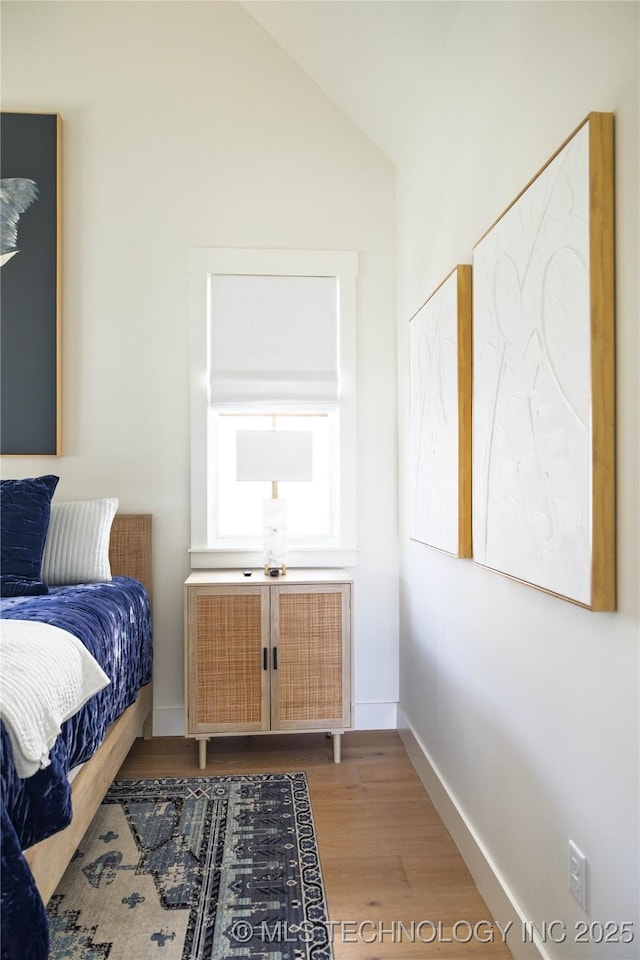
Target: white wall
(526,705)
(184,125)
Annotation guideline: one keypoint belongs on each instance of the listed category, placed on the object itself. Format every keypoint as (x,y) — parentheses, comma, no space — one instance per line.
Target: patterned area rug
(188,869)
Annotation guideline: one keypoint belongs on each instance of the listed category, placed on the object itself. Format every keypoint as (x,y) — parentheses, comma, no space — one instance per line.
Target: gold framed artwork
(31,284)
(440,415)
(544,378)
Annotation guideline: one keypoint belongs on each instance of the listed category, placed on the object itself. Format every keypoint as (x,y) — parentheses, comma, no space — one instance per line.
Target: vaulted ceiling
(377,59)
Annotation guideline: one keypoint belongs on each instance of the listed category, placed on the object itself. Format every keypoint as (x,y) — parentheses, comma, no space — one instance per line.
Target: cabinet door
(228,675)
(311,657)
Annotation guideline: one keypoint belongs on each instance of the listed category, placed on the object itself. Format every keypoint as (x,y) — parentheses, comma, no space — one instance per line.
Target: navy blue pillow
(25,507)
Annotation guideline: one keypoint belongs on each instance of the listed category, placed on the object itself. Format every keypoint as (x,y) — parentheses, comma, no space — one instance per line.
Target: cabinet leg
(202,752)
(337,743)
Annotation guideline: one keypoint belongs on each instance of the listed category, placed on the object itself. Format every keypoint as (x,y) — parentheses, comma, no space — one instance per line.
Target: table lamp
(274,456)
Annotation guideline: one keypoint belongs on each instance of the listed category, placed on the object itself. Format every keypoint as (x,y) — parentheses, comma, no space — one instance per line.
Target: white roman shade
(273,340)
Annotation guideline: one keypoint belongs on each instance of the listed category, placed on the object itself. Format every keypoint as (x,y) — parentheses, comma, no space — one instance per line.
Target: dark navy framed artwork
(30,284)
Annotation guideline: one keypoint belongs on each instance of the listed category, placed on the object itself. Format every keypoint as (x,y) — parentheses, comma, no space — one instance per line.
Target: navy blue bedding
(113,620)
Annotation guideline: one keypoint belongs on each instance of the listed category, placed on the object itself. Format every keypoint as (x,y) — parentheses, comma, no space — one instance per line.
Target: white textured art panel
(532,383)
(433,374)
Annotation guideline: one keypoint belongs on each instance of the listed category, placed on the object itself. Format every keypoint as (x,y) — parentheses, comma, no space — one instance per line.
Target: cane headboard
(130,549)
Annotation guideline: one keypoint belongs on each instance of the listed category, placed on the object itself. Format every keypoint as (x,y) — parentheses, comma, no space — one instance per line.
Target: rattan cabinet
(266,655)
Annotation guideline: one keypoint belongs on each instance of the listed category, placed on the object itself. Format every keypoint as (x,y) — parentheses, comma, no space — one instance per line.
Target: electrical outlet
(578,875)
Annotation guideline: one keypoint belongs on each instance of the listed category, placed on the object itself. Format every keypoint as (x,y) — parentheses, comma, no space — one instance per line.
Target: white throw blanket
(46,675)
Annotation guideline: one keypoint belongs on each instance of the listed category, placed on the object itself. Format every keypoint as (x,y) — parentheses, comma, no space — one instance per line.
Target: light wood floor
(386,856)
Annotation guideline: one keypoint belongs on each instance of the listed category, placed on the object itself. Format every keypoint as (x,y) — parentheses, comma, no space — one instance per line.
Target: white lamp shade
(273,455)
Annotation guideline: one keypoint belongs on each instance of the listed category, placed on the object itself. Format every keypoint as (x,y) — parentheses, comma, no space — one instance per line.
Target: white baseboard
(375,716)
(168,722)
(492,887)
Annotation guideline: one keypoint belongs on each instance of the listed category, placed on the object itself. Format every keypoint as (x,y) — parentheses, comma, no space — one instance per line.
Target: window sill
(205,558)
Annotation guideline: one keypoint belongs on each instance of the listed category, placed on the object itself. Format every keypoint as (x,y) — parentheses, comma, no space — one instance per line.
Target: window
(237,505)
(272,348)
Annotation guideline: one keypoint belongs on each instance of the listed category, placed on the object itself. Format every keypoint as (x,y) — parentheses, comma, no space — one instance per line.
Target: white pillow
(77,546)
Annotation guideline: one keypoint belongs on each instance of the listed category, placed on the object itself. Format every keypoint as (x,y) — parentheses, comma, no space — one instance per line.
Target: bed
(44,815)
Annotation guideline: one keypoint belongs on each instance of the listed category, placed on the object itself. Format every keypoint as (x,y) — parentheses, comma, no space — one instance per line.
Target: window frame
(204,262)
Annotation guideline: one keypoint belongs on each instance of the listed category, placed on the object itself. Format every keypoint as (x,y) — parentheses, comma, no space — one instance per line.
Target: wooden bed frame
(130,556)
